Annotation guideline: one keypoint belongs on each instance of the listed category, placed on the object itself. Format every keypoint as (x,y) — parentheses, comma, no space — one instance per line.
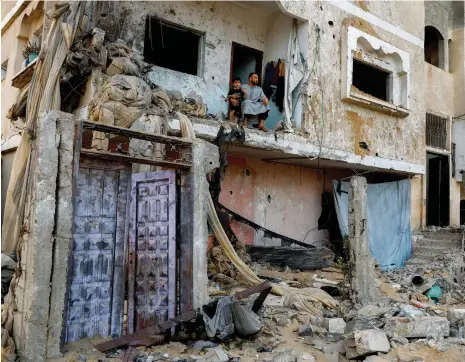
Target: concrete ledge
(297,145)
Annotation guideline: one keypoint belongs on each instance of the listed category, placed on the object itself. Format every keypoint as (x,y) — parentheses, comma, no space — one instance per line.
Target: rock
(285,355)
(375,359)
(399,340)
(306,357)
(315,342)
(418,328)
(334,325)
(82,358)
(370,312)
(456,315)
(332,357)
(366,342)
(199,345)
(393,344)
(443,347)
(329,348)
(407,357)
(358,324)
(306,330)
(281,320)
(214,355)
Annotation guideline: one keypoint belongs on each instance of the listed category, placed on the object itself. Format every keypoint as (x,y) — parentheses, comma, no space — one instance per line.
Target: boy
(235,96)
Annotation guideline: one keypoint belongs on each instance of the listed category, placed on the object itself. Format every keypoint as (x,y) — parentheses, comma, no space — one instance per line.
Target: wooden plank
(294,258)
(130,159)
(177,141)
(143,333)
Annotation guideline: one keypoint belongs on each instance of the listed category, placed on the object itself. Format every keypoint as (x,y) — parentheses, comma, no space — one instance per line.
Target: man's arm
(263,97)
(265,101)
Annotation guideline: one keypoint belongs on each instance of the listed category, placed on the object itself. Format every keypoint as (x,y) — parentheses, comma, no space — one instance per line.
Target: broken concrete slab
(337,347)
(456,315)
(366,342)
(408,357)
(418,328)
(214,355)
(306,357)
(334,325)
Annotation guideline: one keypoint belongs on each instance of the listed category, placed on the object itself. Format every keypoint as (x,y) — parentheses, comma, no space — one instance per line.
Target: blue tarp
(388,216)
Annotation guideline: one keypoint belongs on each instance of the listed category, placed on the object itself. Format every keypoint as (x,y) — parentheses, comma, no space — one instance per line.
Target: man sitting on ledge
(255,103)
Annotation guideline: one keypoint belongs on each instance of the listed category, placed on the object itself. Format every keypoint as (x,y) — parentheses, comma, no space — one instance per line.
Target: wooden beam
(126,158)
(177,141)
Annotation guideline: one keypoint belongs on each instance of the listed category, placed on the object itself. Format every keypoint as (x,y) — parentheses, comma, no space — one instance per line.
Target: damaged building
(127,189)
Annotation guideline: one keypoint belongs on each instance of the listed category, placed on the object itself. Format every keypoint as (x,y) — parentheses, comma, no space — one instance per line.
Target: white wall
(278,29)
(222,22)
(458,137)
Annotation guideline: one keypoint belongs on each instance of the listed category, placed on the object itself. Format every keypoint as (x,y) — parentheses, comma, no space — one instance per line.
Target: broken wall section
(40,291)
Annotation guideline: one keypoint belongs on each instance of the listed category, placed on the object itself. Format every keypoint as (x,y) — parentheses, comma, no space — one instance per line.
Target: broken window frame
(376,53)
(201,45)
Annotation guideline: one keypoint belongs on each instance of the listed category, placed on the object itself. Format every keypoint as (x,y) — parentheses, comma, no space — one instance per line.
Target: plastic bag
(221,324)
(434,293)
(412,312)
(245,321)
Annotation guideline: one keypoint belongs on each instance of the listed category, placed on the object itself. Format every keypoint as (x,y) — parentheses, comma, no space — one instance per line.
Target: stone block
(366,342)
(285,355)
(306,330)
(357,324)
(332,357)
(408,357)
(456,315)
(420,327)
(376,359)
(334,325)
(329,348)
(306,357)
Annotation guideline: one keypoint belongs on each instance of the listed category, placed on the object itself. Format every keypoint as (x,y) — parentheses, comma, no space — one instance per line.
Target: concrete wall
(439,91)
(222,22)
(345,124)
(282,198)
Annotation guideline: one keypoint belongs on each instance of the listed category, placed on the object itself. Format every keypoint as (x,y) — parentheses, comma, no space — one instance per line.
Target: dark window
(432,40)
(171,46)
(370,80)
(436,131)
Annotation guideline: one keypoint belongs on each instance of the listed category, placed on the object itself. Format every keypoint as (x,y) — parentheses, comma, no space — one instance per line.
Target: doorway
(437,189)
(245,60)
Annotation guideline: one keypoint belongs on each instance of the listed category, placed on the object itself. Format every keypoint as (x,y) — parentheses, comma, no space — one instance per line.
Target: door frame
(258,67)
(443,156)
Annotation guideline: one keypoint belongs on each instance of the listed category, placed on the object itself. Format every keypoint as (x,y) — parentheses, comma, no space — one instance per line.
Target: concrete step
(416,262)
(433,249)
(442,235)
(440,242)
(425,256)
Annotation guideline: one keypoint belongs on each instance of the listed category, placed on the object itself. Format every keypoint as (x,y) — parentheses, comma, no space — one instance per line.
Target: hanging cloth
(294,73)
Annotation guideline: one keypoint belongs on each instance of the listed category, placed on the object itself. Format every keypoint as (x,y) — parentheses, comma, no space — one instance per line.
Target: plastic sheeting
(388,217)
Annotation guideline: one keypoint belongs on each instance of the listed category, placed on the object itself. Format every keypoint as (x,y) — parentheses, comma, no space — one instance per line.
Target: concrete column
(40,242)
(363,286)
(63,232)
(205,159)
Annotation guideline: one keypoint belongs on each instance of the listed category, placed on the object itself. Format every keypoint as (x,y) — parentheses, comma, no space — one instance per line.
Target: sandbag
(246,322)
(220,325)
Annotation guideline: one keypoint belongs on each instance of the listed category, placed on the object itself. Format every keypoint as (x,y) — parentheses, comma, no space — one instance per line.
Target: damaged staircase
(433,245)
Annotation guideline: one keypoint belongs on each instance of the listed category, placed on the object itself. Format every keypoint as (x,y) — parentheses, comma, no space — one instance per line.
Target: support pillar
(363,286)
(205,159)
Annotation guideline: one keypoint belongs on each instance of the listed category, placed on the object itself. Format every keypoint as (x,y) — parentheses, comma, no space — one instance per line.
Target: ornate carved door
(95,291)
(152,249)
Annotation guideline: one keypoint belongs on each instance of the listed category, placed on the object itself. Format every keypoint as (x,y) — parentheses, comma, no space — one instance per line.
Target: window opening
(436,131)
(433,39)
(172,46)
(370,80)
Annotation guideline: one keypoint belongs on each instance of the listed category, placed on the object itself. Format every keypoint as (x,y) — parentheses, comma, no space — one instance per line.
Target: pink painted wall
(283,198)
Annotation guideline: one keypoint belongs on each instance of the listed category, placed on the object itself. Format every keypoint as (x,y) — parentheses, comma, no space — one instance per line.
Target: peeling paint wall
(222,22)
(344,125)
(282,198)
(439,92)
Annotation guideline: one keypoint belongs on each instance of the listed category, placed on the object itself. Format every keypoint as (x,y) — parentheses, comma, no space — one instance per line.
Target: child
(235,96)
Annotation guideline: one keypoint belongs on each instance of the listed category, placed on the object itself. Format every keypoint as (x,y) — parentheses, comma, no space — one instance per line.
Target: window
(173,46)
(434,43)
(370,80)
(375,74)
(4,68)
(436,131)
